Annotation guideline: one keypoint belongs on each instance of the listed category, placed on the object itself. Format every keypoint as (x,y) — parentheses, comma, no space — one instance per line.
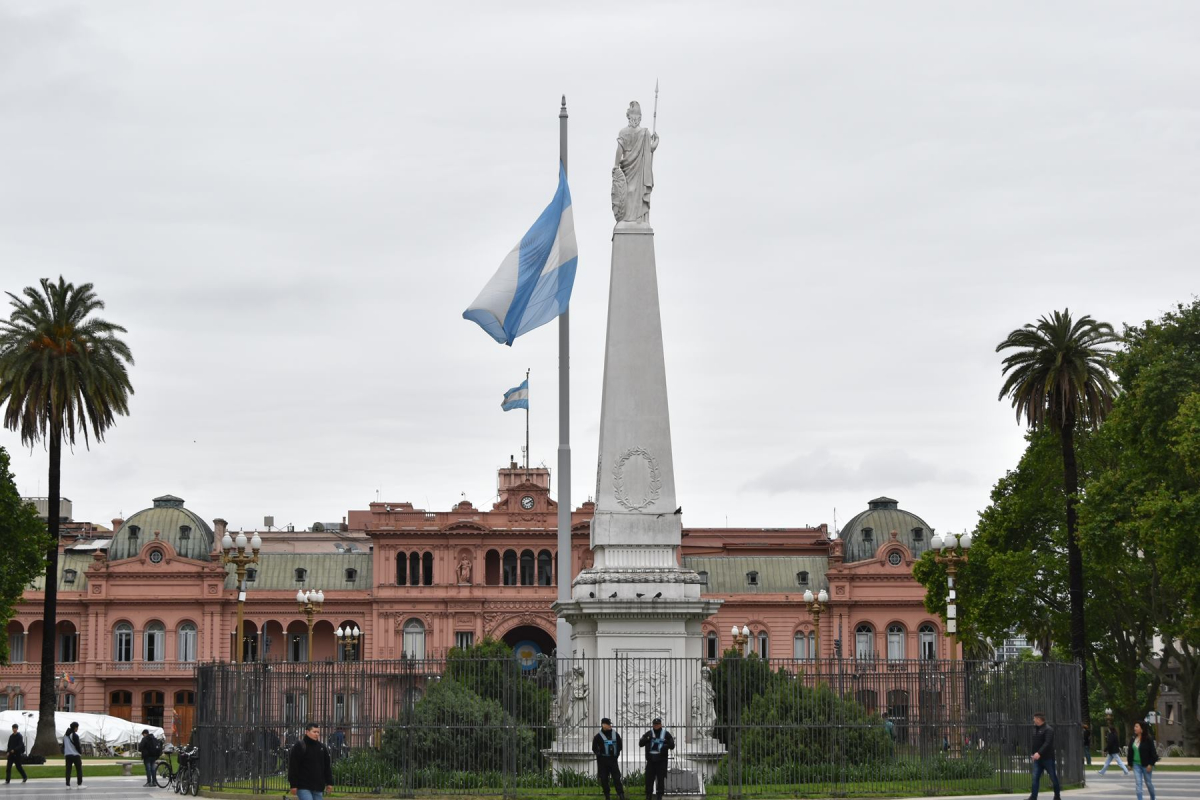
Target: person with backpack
(310,772)
(150,751)
(73,753)
(16,751)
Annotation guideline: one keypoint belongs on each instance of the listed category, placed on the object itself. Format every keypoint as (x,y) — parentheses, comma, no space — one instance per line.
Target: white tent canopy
(93,728)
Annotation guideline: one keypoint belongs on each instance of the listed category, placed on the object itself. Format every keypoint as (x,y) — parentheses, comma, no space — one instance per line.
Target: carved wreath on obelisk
(621,493)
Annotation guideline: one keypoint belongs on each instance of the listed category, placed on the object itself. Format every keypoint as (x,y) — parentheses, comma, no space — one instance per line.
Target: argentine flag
(517,397)
(533,284)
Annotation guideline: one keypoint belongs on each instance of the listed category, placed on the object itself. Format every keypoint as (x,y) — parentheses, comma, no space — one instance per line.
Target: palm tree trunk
(46,741)
(1075,562)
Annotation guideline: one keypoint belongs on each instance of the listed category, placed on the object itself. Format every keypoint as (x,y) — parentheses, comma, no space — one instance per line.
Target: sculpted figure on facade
(633,170)
(464,570)
(576,695)
(704,703)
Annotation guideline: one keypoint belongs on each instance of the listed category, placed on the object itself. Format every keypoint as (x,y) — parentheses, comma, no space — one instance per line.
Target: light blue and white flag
(517,397)
(533,284)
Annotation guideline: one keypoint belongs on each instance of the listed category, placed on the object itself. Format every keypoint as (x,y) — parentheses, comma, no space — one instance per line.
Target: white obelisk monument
(636,603)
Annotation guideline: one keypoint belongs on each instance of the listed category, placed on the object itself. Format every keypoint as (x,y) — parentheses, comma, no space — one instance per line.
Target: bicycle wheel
(162,774)
(193,781)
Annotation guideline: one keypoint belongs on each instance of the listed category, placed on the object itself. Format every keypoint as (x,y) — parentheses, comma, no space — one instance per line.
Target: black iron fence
(743,727)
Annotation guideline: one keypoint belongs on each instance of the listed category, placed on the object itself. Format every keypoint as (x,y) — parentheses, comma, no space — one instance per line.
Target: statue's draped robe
(635,158)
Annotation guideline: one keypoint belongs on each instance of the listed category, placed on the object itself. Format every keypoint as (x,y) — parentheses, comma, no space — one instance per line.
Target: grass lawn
(49,771)
(871,790)
(1157,768)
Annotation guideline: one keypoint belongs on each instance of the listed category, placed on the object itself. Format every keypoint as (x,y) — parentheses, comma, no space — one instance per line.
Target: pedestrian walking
(607,746)
(658,742)
(310,773)
(1043,756)
(16,752)
(148,747)
(1112,752)
(1087,743)
(73,751)
(1142,757)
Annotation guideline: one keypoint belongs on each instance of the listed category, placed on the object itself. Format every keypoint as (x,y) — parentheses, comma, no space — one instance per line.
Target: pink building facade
(140,605)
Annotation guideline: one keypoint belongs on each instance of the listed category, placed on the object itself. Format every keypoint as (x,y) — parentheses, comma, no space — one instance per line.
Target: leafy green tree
(736,682)
(23,540)
(62,372)
(1058,377)
(452,728)
(1141,513)
(491,670)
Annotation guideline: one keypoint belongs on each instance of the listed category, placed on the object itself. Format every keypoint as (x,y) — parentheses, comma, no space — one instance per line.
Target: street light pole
(951,550)
(234,552)
(310,604)
(816,605)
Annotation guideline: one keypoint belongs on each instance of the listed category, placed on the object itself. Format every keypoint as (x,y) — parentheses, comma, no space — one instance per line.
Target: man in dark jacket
(658,743)
(1112,752)
(148,747)
(607,746)
(1043,756)
(16,751)
(310,773)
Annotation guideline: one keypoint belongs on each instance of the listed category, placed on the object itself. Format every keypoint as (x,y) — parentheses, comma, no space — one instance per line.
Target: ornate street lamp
(235,552)
(348,638)
(953,554)
(816,605)
(310,604)
(740,638)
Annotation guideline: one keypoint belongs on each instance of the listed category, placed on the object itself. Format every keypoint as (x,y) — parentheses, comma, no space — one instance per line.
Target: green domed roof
(182,529)
(866,531)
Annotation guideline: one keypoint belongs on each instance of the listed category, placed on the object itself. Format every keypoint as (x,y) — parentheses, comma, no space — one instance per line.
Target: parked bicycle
(186,779)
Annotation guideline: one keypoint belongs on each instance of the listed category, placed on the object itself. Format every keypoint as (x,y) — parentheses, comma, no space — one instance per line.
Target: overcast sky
(289,205)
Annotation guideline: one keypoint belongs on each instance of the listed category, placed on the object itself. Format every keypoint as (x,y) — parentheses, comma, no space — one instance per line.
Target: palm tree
(61,371)
(1059,377)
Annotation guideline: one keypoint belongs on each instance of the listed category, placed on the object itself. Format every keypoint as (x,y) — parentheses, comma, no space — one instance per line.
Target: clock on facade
(527,502)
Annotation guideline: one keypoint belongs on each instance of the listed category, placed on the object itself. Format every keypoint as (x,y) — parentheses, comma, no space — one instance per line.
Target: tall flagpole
(565,575)
(527,424)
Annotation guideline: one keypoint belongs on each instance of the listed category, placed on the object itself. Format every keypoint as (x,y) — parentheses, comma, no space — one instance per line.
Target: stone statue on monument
(704,703)
(633,171)
(464,570)
(576,695)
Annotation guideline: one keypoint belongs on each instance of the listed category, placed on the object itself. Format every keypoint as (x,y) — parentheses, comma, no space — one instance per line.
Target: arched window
(401,568)
(301,574)
(491,568)
(800,646)
(752,578)
(711,641)
(414,639)
(763,650)
(545,566)
(154,642)
(868,699)
(928,642)
(868,535)
(185,532)
(251,574)
(123,642)
(864,642)
(527,568)
(414,569)
(802,578)
(812,646)
(510,567)
(187,642)
(427,569)
(134,530)
(895,647)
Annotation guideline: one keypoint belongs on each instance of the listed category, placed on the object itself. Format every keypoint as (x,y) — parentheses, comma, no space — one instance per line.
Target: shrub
(451,728)
(793,724)
(1174,751)
(490,669)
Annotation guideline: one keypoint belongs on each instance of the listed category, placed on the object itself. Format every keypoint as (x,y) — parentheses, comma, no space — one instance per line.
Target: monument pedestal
(637,647)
